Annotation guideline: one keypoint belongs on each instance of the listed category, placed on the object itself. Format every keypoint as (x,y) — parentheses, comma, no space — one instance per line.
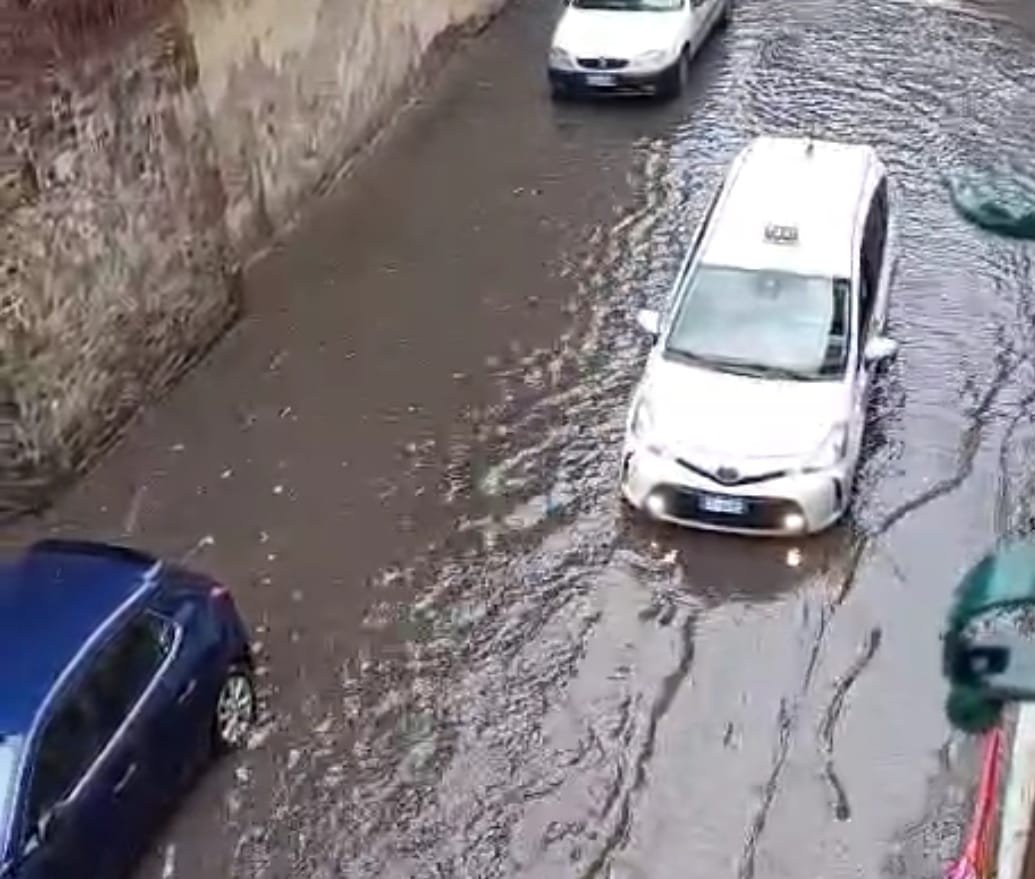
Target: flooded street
(476,663)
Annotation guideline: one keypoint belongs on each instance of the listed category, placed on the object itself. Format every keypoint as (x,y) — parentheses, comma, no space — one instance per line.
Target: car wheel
(680,76)
(236,709)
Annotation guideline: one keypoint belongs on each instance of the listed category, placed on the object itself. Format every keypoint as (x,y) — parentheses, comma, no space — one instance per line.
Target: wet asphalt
(474,662)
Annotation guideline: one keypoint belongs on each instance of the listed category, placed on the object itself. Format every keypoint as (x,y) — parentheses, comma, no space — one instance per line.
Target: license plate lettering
(728,506)
(600,80)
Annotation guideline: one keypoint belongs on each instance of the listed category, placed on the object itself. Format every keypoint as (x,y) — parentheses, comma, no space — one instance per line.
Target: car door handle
(127,777)
(187,691)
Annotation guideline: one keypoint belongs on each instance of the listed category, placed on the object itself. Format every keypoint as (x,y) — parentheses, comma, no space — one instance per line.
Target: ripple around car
(120,675)
(629,45)
(750,413)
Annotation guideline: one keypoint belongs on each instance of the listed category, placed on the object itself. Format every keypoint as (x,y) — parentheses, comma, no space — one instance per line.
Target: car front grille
(760,514)
(602,63)
(730,476)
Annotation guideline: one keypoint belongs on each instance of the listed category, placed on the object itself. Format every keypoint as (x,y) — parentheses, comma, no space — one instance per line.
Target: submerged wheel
(236,709)
(679,77)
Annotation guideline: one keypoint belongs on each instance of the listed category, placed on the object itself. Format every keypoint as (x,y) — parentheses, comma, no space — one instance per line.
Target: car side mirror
(649,321)
(879,349)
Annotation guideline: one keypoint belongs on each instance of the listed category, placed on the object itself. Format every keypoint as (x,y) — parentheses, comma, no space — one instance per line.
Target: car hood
(594,33)
(715,418)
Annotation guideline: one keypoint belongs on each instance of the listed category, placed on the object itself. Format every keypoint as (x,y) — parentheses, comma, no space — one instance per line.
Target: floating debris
(997,201)
(207,540)
(169,862)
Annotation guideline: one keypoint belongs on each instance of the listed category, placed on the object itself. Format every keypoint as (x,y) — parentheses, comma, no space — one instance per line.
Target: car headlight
(653,58)
(830,452)
(562,59)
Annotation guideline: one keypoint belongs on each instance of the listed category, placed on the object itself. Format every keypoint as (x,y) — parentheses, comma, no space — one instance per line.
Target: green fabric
(1001,580)
(999,201)
(971,712)
(986,669)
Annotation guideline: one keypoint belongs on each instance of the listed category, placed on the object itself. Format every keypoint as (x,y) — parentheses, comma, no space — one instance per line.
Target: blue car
(120,676)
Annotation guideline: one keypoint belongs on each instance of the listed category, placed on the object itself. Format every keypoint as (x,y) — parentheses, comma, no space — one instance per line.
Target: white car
(750,413)
(629,45)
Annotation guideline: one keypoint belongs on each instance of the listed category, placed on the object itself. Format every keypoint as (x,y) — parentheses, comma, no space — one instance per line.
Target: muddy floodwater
(475,664)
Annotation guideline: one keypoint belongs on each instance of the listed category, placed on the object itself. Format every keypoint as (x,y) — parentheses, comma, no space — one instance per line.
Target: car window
(871,257)
(89,716)
(68,745)
(125,667)
(10,751)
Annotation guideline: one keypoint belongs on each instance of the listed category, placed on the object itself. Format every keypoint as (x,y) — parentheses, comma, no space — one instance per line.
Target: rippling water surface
(551,688)
(589,696)
(578,694)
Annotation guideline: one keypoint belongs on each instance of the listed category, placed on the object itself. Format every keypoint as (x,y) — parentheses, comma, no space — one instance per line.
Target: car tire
(237,708)
(679,77)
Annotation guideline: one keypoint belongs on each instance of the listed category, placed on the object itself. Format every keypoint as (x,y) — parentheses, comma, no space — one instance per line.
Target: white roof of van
(780,182)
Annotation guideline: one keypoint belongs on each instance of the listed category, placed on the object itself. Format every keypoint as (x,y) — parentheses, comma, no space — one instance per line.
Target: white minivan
(629,45)
(750,413)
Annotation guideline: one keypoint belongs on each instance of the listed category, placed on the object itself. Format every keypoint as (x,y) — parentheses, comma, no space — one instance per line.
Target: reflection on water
(719,569)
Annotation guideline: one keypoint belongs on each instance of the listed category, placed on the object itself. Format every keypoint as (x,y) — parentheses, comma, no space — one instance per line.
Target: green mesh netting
(970,711)
(999,201)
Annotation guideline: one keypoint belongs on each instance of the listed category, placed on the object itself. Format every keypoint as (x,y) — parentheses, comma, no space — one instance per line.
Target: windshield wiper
(696,359)
(777,371)
(744,367)
(748,367)
(738,367)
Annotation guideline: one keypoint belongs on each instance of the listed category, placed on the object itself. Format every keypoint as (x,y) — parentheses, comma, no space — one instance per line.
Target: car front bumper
(799,503)
(582,81)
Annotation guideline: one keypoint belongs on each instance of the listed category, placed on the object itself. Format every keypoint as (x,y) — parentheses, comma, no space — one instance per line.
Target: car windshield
(630,5)
(764,323)
(8,767)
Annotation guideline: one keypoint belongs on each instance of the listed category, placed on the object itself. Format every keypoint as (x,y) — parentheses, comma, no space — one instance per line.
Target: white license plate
(600,80)
(729,506)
